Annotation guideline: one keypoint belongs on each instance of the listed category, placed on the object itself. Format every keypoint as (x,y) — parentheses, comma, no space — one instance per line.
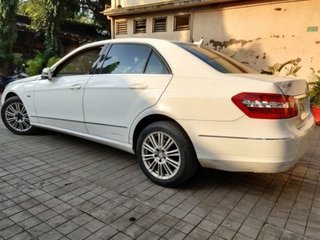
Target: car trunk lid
(296,88)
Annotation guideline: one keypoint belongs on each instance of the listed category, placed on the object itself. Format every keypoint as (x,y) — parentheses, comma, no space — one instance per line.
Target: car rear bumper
(243,154)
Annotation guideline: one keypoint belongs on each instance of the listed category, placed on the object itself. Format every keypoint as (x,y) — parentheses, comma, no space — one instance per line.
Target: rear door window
(130,58)
(156,65)
(126,59)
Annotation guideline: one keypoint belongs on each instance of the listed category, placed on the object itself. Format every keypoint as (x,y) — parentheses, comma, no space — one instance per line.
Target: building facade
(281,37)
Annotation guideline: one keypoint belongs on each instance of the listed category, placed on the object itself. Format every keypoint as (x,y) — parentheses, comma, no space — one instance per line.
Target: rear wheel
(15,117)
(166,154)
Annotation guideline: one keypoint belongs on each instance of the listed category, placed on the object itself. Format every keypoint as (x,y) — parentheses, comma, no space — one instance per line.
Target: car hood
(288,86)
(28,79)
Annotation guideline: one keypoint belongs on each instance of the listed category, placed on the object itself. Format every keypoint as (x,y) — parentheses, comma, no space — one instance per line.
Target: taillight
(266,105)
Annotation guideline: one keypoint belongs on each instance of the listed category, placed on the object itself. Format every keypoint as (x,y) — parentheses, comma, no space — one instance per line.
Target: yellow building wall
(130,3)
(266,34)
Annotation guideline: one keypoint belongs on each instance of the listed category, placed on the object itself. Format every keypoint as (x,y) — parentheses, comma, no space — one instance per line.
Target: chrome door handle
(138,86)
(75,87)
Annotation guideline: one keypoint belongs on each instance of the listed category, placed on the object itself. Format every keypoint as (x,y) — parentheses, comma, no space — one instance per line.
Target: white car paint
(115,100)
(61,99)
(107,108)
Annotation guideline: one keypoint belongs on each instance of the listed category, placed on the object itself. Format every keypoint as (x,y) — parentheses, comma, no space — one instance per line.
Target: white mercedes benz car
(175,105)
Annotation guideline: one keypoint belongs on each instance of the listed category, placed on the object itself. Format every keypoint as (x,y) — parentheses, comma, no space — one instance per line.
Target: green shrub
(315,92)
(34,66)
(52,61)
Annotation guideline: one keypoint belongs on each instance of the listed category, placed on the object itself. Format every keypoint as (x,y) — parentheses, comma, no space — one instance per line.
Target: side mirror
(46,74)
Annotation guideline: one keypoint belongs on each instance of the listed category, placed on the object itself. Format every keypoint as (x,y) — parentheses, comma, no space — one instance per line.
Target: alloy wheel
(161,155)
(17,117)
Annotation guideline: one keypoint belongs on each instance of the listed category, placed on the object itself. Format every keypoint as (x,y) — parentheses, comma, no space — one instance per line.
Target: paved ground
(55,186)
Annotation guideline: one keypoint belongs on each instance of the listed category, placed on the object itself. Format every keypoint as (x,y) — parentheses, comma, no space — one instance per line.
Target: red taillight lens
(266,105)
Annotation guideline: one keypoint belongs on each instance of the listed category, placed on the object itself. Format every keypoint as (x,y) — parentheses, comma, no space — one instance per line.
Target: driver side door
(58,102)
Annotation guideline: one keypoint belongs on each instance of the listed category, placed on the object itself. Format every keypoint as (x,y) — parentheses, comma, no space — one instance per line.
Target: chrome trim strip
(92,123)
(102,124)
(248,138)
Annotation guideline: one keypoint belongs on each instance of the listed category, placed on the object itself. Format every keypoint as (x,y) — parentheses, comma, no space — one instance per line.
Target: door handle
(75,87)
(138,86)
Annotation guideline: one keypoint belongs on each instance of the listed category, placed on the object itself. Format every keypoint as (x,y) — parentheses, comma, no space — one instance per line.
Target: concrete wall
(130,3)
(266,34)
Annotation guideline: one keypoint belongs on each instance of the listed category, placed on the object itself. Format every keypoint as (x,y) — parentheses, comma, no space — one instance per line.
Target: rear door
(132,78)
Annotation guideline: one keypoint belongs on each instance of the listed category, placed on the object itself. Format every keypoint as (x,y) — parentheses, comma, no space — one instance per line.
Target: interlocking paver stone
(67,227)
(10,231)
(184,227)
(134,231)
(106,232)
(79,234)
(22,236)
(52,235)
(54,186)
(147,235)
(56,221)
(159,228)
(198,233)
(5,223)
(39,230)
(30,222)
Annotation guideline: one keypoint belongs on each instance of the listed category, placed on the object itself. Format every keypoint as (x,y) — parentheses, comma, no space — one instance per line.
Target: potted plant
(315,99)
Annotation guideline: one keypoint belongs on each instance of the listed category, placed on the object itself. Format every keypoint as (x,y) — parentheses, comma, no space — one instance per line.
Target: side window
(156,65)
(182,22)
(81,63)
(96,67)
(126,58)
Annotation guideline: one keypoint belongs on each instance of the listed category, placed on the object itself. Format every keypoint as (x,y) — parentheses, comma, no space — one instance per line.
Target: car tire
(166,154)
(15,117)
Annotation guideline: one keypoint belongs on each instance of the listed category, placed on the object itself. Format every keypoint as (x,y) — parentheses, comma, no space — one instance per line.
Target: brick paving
(54,186)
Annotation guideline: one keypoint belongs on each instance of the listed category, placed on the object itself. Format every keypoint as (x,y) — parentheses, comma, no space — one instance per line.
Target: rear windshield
(216,60)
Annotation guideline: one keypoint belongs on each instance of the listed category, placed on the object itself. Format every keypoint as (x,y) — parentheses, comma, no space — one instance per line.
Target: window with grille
(140,26)
(121,27)
(182,22)
(160,24)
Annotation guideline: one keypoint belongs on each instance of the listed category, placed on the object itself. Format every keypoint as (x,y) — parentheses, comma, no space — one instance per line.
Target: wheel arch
(147,120)
(10,94)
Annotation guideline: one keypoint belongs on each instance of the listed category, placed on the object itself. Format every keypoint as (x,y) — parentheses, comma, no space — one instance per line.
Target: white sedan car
(175,105)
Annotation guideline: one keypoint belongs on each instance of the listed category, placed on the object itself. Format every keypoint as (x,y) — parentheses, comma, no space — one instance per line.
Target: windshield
(216,60)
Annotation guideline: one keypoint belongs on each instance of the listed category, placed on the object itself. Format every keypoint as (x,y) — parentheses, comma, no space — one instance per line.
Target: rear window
(216,60)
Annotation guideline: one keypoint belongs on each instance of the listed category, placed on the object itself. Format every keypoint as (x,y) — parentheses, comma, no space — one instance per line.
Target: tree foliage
(96,7)
(8,33)
(47,15)
(53,18)
(35,9)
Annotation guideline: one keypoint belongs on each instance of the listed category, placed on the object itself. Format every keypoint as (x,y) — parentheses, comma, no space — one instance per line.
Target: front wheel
(165,154)
(15,117)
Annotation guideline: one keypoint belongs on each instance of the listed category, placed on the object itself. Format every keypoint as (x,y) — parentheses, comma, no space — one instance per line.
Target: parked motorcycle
(18,74)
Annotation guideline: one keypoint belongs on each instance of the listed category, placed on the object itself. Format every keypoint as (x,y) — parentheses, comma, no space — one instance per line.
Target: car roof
(127,40)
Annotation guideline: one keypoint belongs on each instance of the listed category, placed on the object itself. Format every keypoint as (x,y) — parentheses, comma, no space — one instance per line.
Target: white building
(259,33)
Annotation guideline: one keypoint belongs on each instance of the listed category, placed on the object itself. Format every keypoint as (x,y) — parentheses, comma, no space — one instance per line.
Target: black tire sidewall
(3,109)
(189,162)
